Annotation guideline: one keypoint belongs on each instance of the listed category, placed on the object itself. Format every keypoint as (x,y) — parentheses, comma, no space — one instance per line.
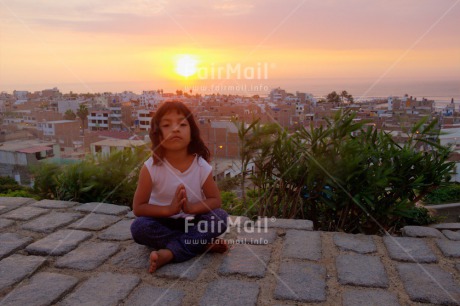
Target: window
(98,149)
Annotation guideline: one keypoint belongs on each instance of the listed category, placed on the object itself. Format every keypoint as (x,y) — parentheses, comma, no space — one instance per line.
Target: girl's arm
(141,206)
(211,202)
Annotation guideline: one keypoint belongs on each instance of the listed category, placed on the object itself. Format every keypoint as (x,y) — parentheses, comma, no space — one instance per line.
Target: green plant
(8,184)
(104,178)
(446,194)
(346,177)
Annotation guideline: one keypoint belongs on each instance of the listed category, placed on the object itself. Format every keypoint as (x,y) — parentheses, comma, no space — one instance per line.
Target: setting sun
(186,65)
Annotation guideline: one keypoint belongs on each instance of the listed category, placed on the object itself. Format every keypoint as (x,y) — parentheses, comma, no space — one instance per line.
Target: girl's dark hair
(196,145)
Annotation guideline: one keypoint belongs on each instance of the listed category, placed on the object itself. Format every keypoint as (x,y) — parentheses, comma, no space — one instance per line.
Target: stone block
(452,235)
(429,284)
(119,231)
(447,226)
(449,248)
(43,289)
(304,282)
(149,295)
(10,203)
(88,257)
(247,260)
(103,289)
(361,244)
(420,232)
(54,204)
(369,298)
(361,270)
(15,268)
(409,249)
(230,293)
(50,222)
(58,243)
(103,208)
(285,223)
(134,256)
(4,223)
(302,245)
(25,213)
(11,242)
(94,222)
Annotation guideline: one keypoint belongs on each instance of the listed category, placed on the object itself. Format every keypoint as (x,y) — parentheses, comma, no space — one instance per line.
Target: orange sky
(114,45)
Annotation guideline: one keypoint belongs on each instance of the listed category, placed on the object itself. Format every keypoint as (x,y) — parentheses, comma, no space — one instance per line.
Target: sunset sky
(116,45)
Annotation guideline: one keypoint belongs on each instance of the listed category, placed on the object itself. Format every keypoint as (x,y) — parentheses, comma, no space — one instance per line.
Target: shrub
(446,194)
(346,177)
(108,179)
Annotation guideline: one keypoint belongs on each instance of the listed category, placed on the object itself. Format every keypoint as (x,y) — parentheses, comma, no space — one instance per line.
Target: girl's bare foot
(217,246)
(159,258)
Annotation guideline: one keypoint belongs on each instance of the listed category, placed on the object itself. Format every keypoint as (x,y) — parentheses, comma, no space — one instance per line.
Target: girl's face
(175,131)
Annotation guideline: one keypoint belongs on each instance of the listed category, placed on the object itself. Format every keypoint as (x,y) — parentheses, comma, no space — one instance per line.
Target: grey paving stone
(10,242)
(230,293)
(240,222)
(50,222)
(130,215)
(285,223)
(361,270)
(305,282)
(149,295)
(369,298)
(54,204)
(134,256)
(43,289)
(448,226)
(58,243)
(95,222)
(10,203)
(452,235)
(265,236)
(119,231)
(103,208)
(88,256)
(302,245)
(248,260)
(420,232)
(4,223)
(16,267)
(429,284)
(362,244)
(189,270)
(103,289)
(409,249)
(25,213)
(449,248)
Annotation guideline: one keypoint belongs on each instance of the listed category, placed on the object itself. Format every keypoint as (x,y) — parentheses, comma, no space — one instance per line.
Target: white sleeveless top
(166,179)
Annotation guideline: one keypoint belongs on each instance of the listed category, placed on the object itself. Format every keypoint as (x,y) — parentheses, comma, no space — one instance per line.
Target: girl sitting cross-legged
(177,202)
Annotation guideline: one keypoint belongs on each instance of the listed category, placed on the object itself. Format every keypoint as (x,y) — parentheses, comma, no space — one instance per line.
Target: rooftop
(68,253)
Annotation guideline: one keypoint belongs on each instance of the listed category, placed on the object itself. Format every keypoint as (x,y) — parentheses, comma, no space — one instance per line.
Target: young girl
(176,186)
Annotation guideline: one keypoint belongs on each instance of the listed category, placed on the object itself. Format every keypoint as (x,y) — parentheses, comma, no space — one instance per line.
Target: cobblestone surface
(49,258)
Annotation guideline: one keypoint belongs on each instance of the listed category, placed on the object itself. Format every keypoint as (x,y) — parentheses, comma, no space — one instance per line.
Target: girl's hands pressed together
(179,200)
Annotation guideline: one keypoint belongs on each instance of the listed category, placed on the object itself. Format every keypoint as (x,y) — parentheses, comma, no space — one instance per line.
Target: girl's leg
(199,236)
(154,232)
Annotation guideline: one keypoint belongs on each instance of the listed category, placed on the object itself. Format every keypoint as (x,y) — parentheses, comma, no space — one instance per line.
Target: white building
(150,98)
(98,120)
